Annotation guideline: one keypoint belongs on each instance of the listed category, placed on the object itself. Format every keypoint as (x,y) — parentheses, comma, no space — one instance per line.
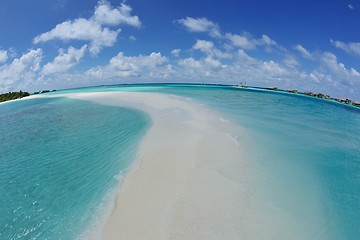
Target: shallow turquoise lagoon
(56,152)
(307,153)
(59,159)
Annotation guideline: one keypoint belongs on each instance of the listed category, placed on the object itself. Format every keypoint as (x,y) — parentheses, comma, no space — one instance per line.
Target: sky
(292,44)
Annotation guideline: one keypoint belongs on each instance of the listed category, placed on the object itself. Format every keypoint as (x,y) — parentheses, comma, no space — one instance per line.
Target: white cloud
(21,73)
(200,25)
(64,61)
(304,53)
(81,29)
(290,61)
(351,6)
(3,56)
(132,66)
(267,41)
(247,42)
(256,72)
(334,78)
(276,70)
(190,63)
(237,66)
(351,48)
(339,69)
(105,14)
(213,63)
(242,57)
(132,38)
(241,41)
(209,48)
(93,29)
(196,69)
(204,46)
(176,52)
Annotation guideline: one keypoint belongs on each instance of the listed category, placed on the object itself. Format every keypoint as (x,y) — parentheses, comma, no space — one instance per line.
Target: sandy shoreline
(193,178)
(185,183)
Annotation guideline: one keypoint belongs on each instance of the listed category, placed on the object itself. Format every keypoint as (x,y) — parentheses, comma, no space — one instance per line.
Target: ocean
(61,158)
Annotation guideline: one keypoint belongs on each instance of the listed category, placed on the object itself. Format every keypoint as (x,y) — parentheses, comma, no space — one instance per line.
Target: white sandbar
(189,181)
(192,178)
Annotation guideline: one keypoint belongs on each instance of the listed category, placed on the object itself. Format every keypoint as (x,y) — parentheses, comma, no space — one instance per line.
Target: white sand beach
(192,178)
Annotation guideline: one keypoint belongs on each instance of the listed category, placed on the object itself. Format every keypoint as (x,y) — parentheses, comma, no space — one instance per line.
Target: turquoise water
(306,152)
(59,159)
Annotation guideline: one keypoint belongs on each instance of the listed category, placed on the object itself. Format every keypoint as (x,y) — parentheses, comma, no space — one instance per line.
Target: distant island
(13,95)
(311,94)
(20,94)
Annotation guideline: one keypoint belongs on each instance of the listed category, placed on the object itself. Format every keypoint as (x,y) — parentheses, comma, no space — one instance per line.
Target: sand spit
(188,181)
(192,178)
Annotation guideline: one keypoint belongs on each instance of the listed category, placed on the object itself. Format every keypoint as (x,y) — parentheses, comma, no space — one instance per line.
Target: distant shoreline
(13,96)
(343,101)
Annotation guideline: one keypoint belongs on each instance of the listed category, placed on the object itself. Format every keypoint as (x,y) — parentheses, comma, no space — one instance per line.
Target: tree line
(13,95)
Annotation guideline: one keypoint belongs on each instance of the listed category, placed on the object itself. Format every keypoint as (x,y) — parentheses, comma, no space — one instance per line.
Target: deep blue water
(306,151)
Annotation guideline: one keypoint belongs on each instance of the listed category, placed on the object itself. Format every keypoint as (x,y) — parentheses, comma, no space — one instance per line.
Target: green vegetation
(13,95)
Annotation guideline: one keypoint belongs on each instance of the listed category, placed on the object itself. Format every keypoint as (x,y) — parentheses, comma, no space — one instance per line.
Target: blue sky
(307,45)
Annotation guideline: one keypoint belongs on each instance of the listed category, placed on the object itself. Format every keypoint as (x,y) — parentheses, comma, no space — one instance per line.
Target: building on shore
(356,104)
(343,100)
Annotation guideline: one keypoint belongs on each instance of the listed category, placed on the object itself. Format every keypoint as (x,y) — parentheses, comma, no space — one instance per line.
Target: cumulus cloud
(204,46)
(267,41)
(21,73)
(200,25)
(276,70)
(94,29)
(304,53)
(241,41)
(269,44)
(290,61)
(225,59)
(105,14)
(131,66)
(352,48)
(242,68)
(244,41)
(257,72)
(3,56)
(333,77)
(81,29)
(64,61)
(339,69)
(247,42)
(176,52)
(209,48)
(242,56)
(196,69)
(328,74)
